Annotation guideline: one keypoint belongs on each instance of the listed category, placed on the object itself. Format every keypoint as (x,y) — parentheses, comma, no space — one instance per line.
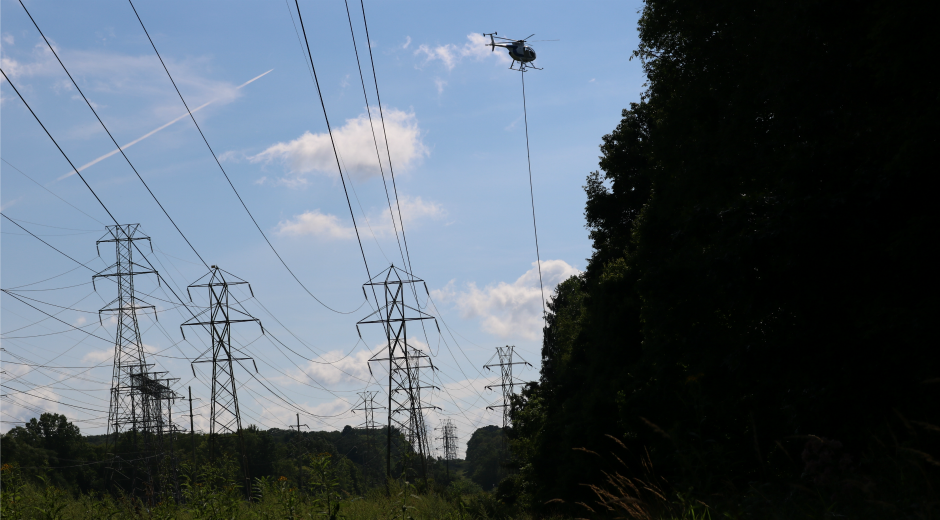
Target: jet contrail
(148,134)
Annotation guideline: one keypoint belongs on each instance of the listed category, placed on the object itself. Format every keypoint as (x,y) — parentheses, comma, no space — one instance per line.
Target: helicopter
(518,50)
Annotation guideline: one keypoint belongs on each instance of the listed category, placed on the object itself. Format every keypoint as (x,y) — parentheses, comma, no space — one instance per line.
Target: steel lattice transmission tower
(368,409)
(417,428)
(217,319)
(448,440)
(390,288)
(157,426)
(132,405)
(505,355)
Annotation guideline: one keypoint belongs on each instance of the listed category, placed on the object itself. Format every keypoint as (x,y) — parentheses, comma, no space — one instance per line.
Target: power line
(48,190)
(372,127)
(36,117)
(330,131)
(391,168)
(80,176)
(53,317)
(34,235)
(535,230)
(93,111)
(214,156)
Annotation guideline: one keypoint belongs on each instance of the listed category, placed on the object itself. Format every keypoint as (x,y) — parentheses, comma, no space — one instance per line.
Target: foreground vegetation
(214,493)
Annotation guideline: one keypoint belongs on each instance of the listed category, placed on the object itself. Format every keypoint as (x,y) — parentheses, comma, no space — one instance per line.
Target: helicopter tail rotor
(492,40)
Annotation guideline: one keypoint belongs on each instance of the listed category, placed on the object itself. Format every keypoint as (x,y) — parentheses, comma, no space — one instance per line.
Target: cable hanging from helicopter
(519,50)
(524,55)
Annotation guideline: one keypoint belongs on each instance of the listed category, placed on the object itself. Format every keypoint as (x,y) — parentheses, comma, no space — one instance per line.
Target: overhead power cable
(87,185)
(57,227)
(332,141)
(33,234)
(388,152)
(80,176)
(535,230)
(113,140)
(53,317)
(84,181)
(50,192)
(219,163)
(372,127)
(391,168)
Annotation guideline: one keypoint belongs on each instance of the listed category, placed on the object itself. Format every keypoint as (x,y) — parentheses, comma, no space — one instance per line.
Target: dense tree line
(758,313)
(52,449)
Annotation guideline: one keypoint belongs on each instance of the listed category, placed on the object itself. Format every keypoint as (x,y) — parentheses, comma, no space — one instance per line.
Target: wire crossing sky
(432,145)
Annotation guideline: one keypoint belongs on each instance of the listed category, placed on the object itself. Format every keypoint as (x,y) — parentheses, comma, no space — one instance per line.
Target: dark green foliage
(51,451)
(53,442)
(762,283)
(487,454)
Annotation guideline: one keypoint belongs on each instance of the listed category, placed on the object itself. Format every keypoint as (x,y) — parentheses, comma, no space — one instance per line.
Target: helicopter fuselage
(519,51)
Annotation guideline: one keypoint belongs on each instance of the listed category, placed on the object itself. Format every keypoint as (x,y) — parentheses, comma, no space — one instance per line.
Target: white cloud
(352,368)
(15,69)
(311,153)
(140,76)
(23,404)
(447,54)
(450,54)
(316,224)
(440,85)
(98,356)
(509,309)
(8,38)
(413,210)
(404,46)
(323,225)
(107,353)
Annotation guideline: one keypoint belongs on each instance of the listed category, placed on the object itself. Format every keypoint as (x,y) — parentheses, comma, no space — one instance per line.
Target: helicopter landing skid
(523,66)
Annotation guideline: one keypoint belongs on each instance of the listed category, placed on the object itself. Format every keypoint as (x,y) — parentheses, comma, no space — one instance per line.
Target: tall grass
(894,476)
(214,494)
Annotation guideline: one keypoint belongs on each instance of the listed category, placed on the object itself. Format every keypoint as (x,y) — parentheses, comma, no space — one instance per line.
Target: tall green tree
(762,269)
(487,455)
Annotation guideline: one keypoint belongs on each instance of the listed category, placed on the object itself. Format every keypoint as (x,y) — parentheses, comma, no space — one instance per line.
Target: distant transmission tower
(157,425)
(368,409)
(404,384)
(505,365)
(448,440)
(217,319)
(417,429)
(131,405)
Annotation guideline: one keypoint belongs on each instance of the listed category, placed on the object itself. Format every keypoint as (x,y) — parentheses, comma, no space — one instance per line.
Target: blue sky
(454,117)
